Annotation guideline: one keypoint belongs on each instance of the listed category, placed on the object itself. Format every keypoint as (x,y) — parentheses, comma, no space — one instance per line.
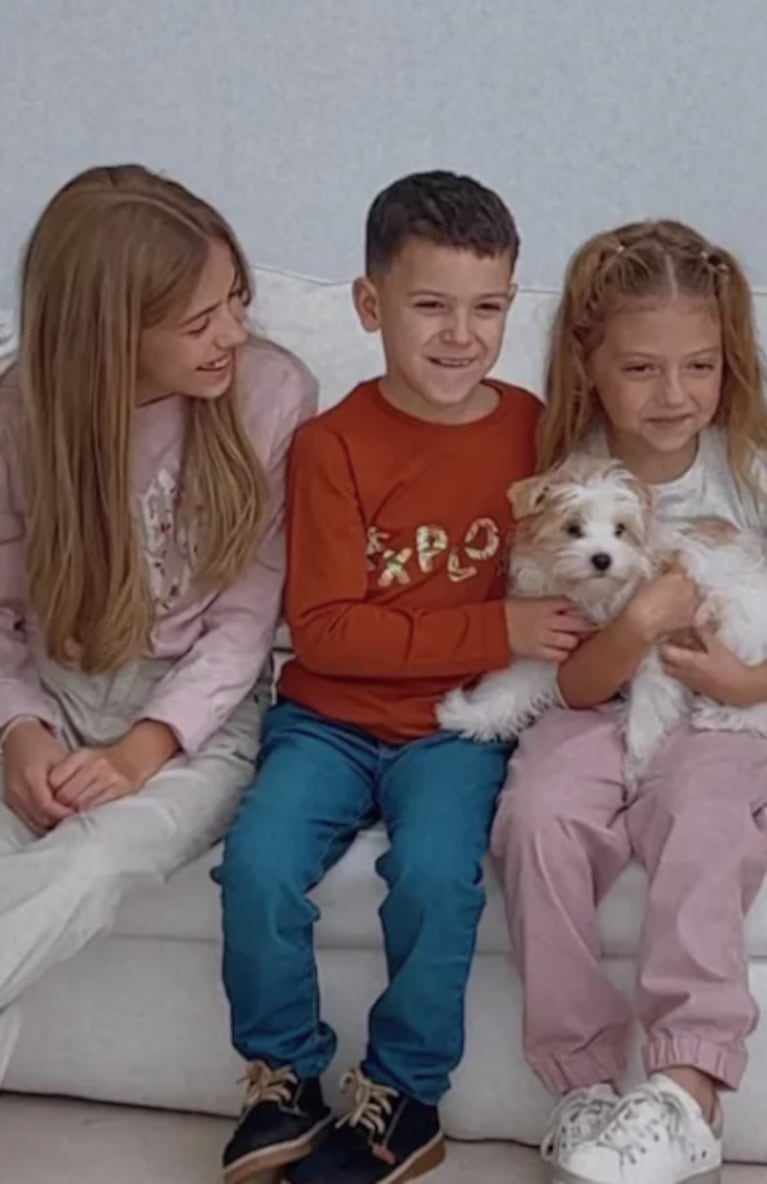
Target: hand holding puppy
(549,628)
(664,605)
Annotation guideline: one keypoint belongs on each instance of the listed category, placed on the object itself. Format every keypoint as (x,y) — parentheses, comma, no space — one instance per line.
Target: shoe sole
(424,1160)
(271,1159)
(561,1176)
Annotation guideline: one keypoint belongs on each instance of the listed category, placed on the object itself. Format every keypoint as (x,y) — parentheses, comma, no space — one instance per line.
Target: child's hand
(712,670)
(94,776)
(91,776)
(30,753)
(663,606)
(548,629)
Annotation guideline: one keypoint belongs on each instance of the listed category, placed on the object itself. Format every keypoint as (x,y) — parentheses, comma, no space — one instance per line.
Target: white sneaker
(657,1135)
(10,1023)
(580,1117)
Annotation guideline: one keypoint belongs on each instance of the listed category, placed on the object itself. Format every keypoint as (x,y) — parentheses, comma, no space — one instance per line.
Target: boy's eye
(429,305)
(575,530)
(620,529)
(490,306)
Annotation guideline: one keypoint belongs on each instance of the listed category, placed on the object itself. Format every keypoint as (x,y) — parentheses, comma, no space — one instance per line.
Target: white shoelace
(371,1104)
(268,1085)
(576,1118)
(649,1114)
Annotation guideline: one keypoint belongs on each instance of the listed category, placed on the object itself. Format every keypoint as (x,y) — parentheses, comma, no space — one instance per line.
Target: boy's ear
(513,289)
(365,296)
(529,497)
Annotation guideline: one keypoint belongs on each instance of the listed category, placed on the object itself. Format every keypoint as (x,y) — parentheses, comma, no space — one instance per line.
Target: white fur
(731,570)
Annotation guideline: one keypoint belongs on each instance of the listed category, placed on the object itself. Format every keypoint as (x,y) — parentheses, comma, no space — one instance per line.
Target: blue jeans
(318,784)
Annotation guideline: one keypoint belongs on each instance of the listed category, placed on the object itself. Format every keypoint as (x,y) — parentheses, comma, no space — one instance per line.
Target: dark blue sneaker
(386,1137)
(283,1118)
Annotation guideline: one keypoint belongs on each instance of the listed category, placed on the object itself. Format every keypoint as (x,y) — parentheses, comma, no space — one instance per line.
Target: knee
(680,813)
(530,810)
(91,869)
(430,870)
(264,855)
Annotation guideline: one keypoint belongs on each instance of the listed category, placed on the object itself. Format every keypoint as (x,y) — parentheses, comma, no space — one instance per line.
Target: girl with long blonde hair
(143,433)
(654,361)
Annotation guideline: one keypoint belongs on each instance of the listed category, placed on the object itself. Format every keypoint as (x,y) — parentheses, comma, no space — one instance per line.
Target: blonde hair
(647,260)
(118,250)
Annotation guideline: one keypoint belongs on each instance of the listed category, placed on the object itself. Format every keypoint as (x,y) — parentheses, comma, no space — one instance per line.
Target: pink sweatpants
(561,837)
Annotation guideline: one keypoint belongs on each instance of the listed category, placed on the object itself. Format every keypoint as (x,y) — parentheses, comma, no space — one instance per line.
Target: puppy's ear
(529,497)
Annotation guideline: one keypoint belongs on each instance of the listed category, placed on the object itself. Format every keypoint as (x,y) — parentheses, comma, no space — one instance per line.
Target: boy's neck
(480,403)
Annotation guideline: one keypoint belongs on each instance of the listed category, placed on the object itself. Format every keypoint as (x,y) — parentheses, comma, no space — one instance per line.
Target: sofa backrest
(317,322)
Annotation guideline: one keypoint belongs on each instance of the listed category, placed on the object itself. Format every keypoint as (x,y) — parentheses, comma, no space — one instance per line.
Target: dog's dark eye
(574,530)
(620,529)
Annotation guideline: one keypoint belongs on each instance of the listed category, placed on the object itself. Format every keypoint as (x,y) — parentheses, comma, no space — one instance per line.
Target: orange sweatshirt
(397,536)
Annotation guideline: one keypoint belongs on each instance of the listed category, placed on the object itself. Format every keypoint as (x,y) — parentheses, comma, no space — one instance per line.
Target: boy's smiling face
(441,312)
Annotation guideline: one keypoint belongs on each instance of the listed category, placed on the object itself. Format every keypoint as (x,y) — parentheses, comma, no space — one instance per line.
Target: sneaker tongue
(687,1101)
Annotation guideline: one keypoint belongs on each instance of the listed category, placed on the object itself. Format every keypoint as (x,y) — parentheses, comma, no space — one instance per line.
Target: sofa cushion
(349,898)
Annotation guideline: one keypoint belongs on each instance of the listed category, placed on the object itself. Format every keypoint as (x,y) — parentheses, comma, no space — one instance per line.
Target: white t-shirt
(708,489)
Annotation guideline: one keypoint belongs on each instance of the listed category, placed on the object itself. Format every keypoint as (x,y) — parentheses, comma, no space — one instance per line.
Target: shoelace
(371,1104)
(668,1118)
(572,1118)
(268,1085)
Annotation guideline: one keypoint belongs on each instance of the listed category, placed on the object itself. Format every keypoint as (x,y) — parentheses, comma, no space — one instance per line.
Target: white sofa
(140,1016)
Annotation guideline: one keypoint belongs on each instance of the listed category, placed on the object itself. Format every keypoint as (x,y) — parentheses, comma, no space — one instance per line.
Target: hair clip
(712,261)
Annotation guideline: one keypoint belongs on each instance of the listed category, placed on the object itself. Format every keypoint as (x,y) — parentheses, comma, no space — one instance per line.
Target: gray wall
(291,114)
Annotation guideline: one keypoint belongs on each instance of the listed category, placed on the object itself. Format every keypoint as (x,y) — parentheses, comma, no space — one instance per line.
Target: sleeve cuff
(27,706)
(191,729)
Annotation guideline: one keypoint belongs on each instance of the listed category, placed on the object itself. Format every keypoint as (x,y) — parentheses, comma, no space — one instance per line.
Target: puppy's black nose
(601,561)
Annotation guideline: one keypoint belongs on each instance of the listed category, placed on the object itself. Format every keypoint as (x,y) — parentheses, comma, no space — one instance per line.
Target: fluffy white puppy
(586,531)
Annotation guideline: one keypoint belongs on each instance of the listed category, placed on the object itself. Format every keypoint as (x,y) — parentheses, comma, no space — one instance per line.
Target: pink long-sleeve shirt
(218,643)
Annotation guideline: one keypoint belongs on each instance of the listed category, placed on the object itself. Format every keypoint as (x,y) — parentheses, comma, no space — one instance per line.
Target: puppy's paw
(709,614)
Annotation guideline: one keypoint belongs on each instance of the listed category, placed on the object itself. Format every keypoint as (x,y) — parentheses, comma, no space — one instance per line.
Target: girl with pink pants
(653,361)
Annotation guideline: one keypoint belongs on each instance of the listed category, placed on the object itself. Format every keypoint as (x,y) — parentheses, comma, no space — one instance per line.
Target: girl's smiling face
(657,374)
(193,352)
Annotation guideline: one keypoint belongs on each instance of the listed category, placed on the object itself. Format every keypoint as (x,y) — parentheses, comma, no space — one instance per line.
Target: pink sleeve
(204,687)
(21,693)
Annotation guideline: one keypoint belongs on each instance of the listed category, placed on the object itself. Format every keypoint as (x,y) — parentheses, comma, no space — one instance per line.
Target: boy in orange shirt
(397,524)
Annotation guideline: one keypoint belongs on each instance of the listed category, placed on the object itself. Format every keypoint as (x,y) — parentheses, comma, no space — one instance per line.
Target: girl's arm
(203,688)
(604,663)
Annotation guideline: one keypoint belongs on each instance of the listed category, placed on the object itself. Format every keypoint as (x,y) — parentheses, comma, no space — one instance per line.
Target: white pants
(60,891)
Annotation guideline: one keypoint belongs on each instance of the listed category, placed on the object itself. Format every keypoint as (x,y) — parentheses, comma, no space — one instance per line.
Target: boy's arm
(334,631)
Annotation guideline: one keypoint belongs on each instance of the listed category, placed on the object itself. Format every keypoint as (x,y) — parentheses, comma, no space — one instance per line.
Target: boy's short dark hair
(442,208)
